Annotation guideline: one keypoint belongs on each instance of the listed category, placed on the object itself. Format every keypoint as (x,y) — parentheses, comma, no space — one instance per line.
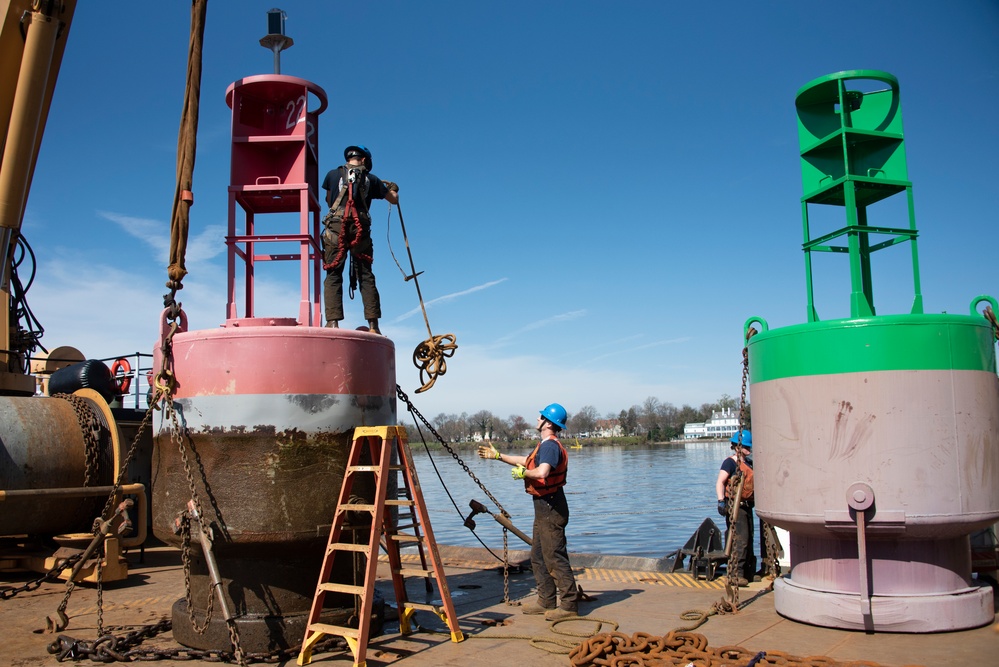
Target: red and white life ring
(122,380)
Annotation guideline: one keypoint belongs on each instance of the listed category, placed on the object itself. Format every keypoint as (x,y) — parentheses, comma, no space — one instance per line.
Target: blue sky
(599,194)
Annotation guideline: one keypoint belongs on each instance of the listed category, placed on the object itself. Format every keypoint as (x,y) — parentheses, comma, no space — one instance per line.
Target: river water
(625,501)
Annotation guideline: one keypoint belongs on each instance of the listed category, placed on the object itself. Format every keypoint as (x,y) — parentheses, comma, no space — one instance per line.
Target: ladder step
(408,572)
(351,469)
(356,507)
(346,546)
(400,503)
(328,629)
(435,608)
(341,588)
(405,538)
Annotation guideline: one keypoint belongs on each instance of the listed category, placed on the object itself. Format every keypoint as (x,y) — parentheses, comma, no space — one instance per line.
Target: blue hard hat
(362,151)
(556,414)
(747,439)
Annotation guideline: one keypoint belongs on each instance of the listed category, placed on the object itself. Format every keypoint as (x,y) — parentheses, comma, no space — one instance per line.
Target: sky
(599,194)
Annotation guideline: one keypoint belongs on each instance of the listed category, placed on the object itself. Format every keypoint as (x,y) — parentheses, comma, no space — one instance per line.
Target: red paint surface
(283,360)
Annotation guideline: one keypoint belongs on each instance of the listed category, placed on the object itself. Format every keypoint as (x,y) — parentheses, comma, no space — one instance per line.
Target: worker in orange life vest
(544,473)
(742,534)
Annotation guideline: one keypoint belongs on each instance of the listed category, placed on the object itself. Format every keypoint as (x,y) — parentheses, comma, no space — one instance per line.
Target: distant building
(722,426)
(607,428)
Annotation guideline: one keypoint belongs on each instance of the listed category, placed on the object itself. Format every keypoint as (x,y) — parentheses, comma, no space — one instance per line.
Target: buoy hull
(267,415)
(895,418)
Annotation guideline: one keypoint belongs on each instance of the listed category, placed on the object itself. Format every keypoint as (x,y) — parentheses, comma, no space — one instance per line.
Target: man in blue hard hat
(347,233)
(544,473)
(734,489)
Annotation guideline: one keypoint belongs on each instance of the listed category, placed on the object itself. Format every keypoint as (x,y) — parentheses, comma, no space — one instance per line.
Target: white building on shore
(721,426)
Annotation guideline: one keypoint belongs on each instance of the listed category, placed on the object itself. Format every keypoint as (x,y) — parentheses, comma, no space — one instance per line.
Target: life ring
(124,380)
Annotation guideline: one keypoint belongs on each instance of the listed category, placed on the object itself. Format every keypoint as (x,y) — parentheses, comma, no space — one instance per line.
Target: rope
(430,356)
(550,644)
(991,317)
(183,198)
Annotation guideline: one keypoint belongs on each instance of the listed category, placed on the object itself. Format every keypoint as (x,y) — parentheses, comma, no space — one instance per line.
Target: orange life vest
(555,479)
(747,487)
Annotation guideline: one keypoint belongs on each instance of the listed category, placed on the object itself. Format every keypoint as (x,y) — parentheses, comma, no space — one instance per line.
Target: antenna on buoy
(275,39)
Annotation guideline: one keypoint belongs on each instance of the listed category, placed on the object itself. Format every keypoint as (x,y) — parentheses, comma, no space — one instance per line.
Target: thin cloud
(449,297)
(658,343)
(564,317)
(156,234)
(614,343)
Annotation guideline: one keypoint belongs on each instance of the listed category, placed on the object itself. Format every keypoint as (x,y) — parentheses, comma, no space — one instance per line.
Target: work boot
(373,326)
(333,324)
(559,614)
(534,609)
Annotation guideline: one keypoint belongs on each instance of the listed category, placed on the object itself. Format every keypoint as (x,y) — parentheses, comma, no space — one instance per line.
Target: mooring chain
(185,557)
(90,429)
(679,647)
(123,468)
(125,648)
(416,413)
(205,528)
(51,576)
(730,604)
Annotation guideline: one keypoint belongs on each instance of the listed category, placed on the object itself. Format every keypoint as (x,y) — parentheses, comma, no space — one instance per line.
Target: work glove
(394,187)
(518,472)
(722,508)
(489,452)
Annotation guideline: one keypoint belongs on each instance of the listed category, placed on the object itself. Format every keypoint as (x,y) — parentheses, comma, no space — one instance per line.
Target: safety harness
(354,189)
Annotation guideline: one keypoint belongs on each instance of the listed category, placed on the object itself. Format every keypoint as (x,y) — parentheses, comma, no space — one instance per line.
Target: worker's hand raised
(488,452)
(518,472)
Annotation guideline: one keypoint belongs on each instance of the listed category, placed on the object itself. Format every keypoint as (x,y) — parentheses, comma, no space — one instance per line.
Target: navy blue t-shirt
(334,182)
(549,453)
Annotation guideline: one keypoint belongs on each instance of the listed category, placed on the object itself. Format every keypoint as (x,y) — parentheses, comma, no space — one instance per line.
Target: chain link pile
(616,649)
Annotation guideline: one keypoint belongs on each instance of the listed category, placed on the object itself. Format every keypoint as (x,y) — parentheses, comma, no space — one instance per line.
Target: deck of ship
(623,592)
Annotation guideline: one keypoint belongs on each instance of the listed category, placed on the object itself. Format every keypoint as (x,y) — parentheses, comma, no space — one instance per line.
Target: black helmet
(358,151)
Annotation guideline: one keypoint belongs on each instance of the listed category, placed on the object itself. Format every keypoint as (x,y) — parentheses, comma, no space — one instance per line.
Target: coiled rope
(430,356)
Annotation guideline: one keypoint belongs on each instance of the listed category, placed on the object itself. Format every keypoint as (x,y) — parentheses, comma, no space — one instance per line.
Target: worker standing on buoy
(347,232)
(544,473)
(726,489)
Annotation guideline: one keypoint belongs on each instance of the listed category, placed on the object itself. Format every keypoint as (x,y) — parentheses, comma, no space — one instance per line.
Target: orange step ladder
(380,442)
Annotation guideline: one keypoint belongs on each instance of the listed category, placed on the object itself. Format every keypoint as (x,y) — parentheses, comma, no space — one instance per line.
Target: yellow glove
(518,472)
(489,452)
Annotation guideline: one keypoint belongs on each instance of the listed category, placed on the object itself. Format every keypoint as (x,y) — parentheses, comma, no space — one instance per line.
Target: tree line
(655,420)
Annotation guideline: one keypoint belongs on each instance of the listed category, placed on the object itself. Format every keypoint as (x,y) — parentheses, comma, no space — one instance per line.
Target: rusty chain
(90,428)
(51,576)
(506,551)
(730,603)
(681,648)
(416,414)
(125,648)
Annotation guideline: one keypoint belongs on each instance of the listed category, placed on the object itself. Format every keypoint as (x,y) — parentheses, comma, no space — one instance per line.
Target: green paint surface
(882,343)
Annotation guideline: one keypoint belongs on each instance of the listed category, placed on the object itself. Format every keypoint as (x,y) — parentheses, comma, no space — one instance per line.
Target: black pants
(339,244)
(742,545)
(550,554)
